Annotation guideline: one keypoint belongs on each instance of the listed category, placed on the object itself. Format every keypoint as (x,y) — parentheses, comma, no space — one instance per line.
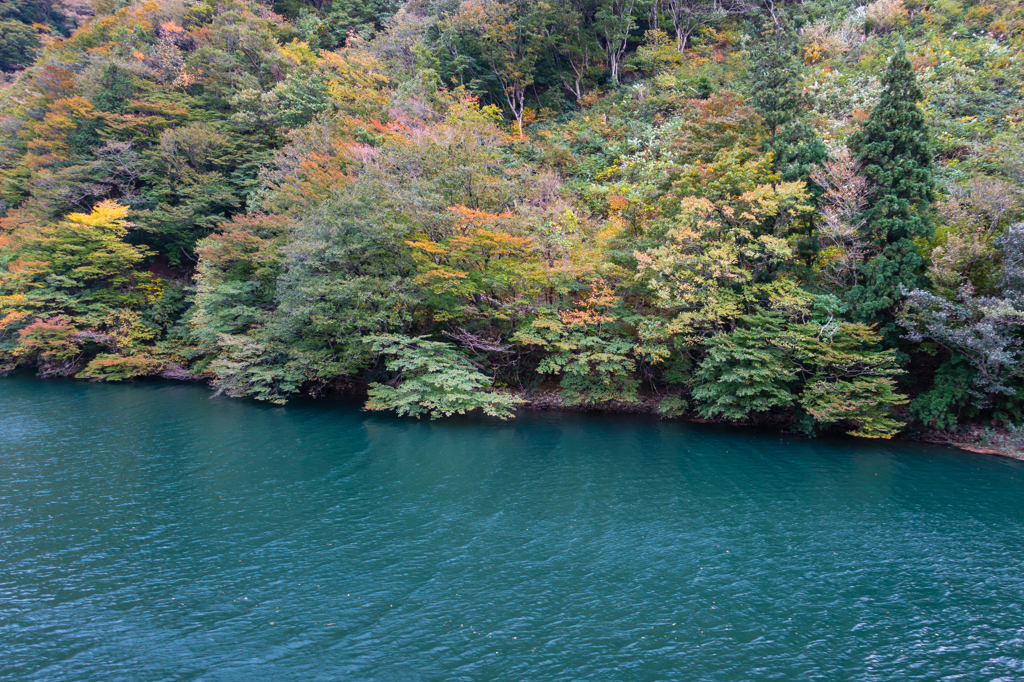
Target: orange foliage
(246,238)
(54,81)
(51,339)
(11,319)
(10,226)
(171,28)
(722,120)
(590,310)
(617,202)
(316,175)
(48,145)
(466,217)
(478,246)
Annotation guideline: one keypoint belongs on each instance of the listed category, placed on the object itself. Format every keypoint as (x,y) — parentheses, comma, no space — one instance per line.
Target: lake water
(148,532)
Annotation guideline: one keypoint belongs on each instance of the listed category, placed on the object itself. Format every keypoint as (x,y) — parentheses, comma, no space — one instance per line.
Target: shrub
(433,378)
(108,367)
(672,406)
(884,16)
(1009,440)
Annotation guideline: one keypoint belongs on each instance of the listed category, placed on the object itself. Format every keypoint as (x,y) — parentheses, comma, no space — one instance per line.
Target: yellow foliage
(48,144)
(298,53)
(886,15)
(356,83)
(107,214)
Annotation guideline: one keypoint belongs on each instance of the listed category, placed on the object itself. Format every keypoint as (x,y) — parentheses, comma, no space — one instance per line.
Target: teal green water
(149,532)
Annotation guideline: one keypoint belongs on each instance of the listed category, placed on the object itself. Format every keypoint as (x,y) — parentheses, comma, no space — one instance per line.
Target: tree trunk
(516,98)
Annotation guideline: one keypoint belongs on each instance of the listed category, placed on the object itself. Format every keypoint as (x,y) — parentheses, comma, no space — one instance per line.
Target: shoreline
(549,399)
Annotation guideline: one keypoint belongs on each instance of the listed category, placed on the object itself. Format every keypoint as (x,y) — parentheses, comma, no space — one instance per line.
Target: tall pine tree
(795,146)
(894,151)
(773,75)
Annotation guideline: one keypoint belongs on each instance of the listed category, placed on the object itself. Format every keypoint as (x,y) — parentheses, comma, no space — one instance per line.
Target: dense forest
(801,214)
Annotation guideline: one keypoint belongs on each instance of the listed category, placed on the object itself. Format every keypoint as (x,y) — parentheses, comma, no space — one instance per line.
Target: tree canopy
(800,215)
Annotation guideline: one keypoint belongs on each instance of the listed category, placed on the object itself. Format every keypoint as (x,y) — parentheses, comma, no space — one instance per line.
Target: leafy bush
(950,397)
(108,367)
(883,16)
(744,374)
(596,366)
(433,378)
(672,406)
(833,373)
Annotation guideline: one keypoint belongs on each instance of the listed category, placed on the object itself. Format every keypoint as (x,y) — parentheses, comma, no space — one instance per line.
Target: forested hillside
(797,214)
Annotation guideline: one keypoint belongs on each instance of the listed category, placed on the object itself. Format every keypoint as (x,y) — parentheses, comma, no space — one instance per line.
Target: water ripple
(150,533)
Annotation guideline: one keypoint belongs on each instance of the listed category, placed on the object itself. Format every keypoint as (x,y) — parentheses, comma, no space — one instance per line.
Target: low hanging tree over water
(448,204)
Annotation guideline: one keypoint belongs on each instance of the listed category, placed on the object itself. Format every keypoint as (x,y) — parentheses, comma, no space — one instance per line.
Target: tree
(744,373)
(433,378)
(689,15)
(982,329)
(981,335)
(795,147)
(586,347)
(577,44)
(894,150)
(18,43)
(842,247)
(614,22)
(727,233)
(118,87)
(344,276)
(82,266)
(65,281)
(507,37)
(832,372)
(480,270)
(237,276)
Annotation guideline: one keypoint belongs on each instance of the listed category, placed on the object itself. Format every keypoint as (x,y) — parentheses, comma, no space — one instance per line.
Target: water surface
(148,532)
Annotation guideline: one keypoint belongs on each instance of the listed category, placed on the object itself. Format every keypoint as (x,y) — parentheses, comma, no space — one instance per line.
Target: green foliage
(866,403)
(744,373)
(655,215)
(773,78)
(18,44)
(331,23)
(251,367)
(895,152)
(301,96)
(833,372)
(433,378)
(596,367)
(796,147)
(949,400)
(118,88)
(672,406)
(796,151)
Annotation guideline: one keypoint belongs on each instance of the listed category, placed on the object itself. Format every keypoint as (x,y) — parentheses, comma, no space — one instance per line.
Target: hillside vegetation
(798,214)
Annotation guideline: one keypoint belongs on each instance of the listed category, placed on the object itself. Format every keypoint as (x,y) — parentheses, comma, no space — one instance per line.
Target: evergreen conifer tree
(795,146)
(773,76)
(894,150)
